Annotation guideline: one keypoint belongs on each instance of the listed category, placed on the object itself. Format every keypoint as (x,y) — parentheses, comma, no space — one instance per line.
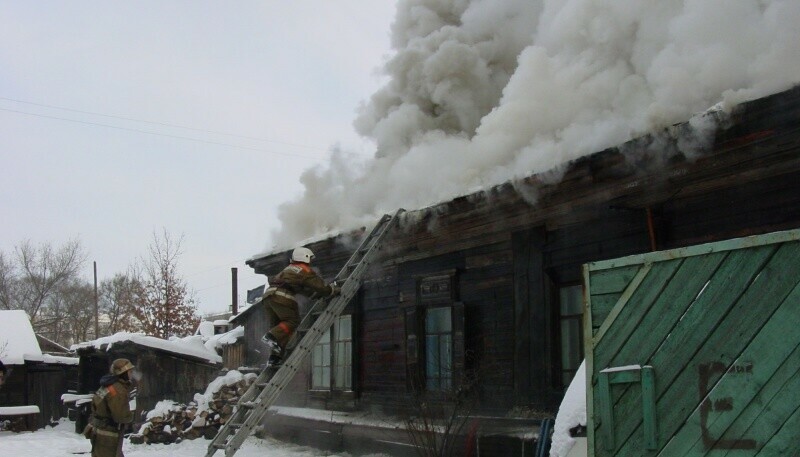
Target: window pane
(326,377)
(432,356)
(571,299)
(446,354)
(438,348)
(437,320)
(571,344)
(344,331)
(571,307)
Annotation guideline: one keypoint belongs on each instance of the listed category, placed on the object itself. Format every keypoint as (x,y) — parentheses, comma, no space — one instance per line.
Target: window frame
(448,347)
(561,319)
(330,346)
(436,289)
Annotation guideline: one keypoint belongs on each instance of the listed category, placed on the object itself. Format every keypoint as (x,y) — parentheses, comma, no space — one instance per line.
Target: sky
(269,123)
(119,119)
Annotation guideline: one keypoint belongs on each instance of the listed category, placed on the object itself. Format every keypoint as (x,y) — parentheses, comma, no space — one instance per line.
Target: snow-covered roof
(52,359)
(188,346)
(17,340)
(215,342)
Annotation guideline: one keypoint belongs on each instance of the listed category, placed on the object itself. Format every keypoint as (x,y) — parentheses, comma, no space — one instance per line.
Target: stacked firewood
(192,421)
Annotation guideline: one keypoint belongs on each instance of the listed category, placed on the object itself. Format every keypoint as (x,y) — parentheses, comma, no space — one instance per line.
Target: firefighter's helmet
(302,255)
(120,366)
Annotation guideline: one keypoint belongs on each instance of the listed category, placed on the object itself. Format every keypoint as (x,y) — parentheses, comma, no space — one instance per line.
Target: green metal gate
(696,351)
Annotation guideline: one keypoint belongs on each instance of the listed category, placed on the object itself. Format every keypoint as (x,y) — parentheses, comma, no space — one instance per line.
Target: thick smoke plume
(484,91)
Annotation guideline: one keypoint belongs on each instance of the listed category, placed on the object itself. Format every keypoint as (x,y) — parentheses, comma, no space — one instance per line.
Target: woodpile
(192,421)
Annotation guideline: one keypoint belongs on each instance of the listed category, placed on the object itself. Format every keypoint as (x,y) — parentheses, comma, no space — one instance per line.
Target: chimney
(234,291)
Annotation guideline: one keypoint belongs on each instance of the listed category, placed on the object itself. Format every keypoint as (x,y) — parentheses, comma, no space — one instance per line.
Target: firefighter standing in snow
(111,411)
(297,278)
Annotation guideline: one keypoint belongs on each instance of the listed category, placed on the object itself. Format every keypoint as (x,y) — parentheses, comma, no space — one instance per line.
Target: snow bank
(215,342)
(62,441)
(18,410)
(572,412)
(162,409)
(17,339)
(191,345)
(205,329)
(52,359)
(229,378)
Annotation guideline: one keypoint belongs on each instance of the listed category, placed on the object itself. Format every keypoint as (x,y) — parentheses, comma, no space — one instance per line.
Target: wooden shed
(696,351)
(165,370)
(34,378)
(490,283)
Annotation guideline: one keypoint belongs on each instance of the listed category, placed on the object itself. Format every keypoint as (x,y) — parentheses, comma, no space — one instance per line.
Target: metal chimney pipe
(234,291)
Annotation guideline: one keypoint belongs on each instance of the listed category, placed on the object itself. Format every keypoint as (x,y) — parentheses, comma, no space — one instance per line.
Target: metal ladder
(270,383)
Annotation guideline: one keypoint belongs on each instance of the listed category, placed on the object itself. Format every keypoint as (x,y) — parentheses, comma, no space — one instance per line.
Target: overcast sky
(118,119)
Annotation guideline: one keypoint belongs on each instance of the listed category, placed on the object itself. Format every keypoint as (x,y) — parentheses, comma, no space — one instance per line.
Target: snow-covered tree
(166,307)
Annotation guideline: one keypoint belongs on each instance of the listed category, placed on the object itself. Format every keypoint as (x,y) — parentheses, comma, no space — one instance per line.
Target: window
(343,353)
(332,357)
(571,320)
(438,349)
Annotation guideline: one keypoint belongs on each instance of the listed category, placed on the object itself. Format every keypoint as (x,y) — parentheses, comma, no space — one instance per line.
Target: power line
(163,124)
(288,154)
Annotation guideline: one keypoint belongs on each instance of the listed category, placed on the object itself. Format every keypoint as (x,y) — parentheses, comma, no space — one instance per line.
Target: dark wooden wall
(510,248)
(163,376)
(39,384)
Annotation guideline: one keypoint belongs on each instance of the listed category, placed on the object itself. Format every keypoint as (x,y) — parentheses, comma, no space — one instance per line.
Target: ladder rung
(234,426)
(219,446)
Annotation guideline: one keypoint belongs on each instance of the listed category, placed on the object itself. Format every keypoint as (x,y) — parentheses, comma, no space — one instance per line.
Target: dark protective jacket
(110,406)
(296,278)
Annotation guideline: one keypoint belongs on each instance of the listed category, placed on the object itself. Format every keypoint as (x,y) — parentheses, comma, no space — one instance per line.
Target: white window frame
(332,358)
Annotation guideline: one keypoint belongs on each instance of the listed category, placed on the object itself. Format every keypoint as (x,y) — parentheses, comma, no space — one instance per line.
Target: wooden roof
(759,139)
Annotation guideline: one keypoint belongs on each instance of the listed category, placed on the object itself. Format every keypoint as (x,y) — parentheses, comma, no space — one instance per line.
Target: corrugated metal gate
(696,351)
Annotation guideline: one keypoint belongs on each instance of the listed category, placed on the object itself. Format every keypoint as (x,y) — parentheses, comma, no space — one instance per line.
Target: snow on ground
(62,441)
(571,413)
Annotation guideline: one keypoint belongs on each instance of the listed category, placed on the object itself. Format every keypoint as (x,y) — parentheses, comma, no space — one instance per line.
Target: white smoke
(486,91)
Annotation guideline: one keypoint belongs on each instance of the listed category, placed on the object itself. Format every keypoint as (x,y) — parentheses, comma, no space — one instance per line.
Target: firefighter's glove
(335,290)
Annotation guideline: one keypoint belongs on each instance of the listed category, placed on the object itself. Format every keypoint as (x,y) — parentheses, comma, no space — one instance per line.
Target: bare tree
(166,308)
(8,276)
(38,273)
(436,420)
(69,315)
(118,298)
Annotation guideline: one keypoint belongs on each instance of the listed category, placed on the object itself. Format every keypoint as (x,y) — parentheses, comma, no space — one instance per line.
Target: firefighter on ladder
(279,298)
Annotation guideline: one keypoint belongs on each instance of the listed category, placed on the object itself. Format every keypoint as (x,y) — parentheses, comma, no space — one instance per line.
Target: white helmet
(302,255)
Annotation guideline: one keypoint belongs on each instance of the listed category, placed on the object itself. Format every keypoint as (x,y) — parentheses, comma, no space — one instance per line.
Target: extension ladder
(270,383)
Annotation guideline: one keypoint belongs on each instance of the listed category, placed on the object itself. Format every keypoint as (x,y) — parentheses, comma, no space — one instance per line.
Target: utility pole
(234,291)
(96,312)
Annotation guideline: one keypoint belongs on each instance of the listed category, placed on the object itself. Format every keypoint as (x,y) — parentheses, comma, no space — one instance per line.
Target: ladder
(270,383)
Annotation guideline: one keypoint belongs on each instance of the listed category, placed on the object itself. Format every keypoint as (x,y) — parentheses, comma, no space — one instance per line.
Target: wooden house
(34,377)
(490,283)
(165,370)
